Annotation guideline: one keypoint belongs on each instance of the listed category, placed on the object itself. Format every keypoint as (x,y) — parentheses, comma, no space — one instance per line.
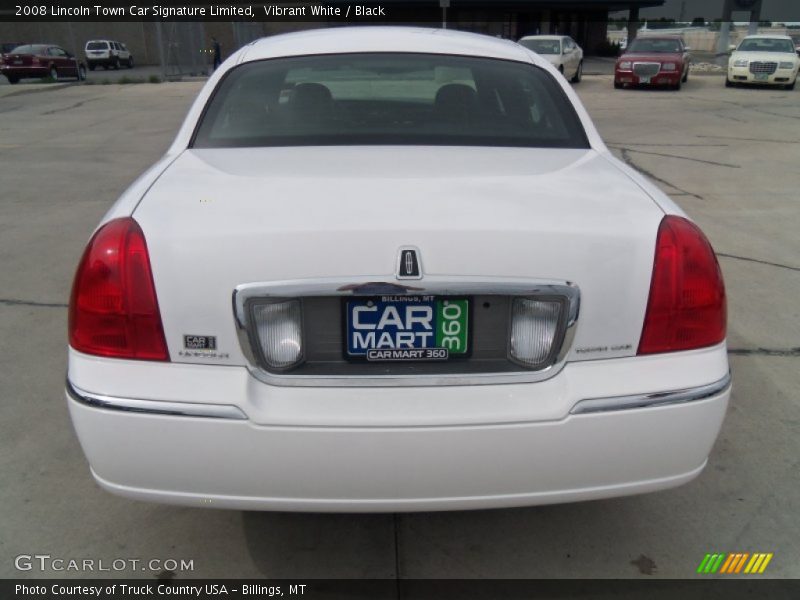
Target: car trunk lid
(218,219)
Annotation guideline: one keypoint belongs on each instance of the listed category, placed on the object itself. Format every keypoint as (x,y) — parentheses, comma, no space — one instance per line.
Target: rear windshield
(542,46)
(29,49)
(766,45)
(97,46)
(385,99)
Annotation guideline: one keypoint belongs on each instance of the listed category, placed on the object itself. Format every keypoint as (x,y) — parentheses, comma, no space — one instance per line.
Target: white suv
(107,54)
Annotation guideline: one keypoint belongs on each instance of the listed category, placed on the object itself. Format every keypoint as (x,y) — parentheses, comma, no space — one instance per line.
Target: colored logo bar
(734,563)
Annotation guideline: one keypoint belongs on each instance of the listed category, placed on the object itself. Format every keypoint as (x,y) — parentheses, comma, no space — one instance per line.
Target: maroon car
(653,60)
(40,60)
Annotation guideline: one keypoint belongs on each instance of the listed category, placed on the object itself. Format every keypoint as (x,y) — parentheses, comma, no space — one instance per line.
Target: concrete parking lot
(729,157)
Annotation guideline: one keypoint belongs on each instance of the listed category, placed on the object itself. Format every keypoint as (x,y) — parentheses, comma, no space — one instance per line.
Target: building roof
(534,4)
(608,5)
(496,5)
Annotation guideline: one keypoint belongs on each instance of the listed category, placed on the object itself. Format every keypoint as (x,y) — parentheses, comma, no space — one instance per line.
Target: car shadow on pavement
(298,545)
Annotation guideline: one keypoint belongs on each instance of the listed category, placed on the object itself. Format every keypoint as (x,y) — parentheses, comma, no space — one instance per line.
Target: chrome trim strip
(156,407)
(645,69)
(596,405)
(434,285)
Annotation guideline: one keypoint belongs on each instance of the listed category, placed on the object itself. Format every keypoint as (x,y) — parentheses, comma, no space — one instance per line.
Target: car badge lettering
(409,265)
(200,342)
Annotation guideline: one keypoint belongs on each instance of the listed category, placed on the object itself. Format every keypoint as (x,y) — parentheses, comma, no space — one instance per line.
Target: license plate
(407,328)
(644,80)
(17,62)
(762,77)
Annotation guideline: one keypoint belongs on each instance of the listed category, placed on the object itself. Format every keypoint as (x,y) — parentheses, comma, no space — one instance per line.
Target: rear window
(386,99)
(542,46)
(97,46)
(29,49)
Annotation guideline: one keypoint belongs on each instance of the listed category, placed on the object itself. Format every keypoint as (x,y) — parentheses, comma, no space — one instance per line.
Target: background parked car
(765,60)
(41,61)
(654,60)
(107,53)
(560,50)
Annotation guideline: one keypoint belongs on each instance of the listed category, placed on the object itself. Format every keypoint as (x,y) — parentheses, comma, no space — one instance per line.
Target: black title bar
(710,588)
(354,12)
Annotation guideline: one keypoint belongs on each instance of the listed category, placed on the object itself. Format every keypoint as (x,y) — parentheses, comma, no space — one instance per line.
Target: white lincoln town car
(391,269)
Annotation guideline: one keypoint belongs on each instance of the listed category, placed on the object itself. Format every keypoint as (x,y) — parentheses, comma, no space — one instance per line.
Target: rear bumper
(614,447)
(108,61)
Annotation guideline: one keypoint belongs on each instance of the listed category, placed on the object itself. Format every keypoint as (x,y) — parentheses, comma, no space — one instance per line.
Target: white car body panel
(216,463)
(550,400)
(204,431)
(245,196)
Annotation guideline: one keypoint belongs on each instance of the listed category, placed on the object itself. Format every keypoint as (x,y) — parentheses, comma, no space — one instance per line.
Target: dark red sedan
(662,60)
(41,61)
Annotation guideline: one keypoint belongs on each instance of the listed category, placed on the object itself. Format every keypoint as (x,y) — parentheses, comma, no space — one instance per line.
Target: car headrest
(310,98)
(456,100)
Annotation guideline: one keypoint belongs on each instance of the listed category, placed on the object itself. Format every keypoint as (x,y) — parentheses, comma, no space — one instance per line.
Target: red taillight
(686,308)
(113,309)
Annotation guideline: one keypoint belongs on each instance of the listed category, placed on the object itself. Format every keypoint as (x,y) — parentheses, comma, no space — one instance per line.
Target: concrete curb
(43,87)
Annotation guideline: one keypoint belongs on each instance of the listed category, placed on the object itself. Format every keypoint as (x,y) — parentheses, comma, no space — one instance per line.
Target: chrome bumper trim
(157,407)
(595,405)
(380,285)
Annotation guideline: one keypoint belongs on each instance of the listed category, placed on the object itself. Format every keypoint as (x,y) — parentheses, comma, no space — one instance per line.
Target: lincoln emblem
(408,264)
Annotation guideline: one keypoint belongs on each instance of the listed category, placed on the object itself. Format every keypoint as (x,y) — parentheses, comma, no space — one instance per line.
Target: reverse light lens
(534,325)
(686,308)
(740,62)
(280,333)
(669,67)
(113,308)
(625,64)
(786,65)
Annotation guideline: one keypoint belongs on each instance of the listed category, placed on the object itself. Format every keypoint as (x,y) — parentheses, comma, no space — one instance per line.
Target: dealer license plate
(407,328)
